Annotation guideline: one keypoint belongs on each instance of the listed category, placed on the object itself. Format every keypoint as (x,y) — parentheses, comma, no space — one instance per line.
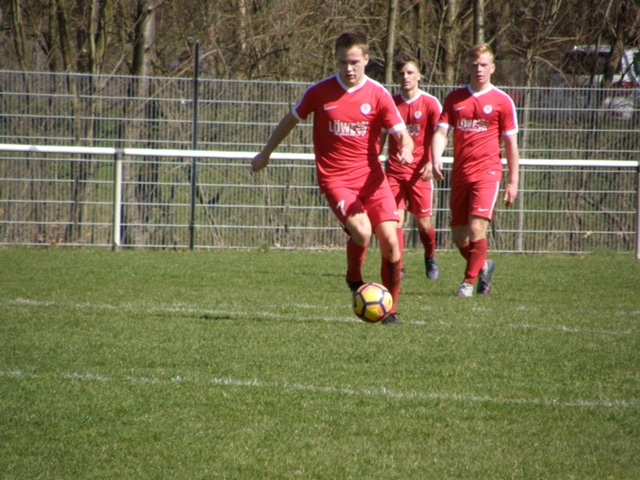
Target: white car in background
(583,67)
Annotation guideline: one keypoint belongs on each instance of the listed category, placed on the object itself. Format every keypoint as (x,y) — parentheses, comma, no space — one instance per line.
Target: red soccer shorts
(376,201)
(413,194)
(476,199)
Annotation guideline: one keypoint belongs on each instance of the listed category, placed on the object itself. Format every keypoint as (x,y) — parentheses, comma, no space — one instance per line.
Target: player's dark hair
(349,40)
(401,60)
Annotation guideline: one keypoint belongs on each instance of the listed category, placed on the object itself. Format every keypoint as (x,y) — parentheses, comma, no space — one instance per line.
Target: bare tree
(280,39)
(391,40)
(478,24)
(450,40)
(621,28)
(20,37)
(137,179)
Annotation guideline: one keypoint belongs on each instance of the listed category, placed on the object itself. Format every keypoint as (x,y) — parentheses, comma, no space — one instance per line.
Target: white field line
(380,392)
(182,309)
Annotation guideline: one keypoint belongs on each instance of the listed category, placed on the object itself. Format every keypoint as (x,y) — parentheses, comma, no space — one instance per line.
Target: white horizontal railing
(120,154)
(151,152)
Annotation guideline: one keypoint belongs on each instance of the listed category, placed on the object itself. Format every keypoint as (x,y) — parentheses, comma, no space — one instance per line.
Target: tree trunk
(97,11)
(391,41)
(243,26)
(20,38)
(478,15)
(144,37)
(450,42)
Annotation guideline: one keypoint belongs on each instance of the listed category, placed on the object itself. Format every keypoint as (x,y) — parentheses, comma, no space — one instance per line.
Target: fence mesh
(68,198)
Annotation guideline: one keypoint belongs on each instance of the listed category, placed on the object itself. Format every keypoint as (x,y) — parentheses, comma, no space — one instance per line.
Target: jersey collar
(365,79)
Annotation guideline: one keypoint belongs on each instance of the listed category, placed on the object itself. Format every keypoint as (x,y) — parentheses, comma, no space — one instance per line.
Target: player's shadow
(214,317)
(209,317)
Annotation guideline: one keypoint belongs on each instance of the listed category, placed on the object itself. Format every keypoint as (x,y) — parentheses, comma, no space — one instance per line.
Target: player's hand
(427,172)
(259,162)
(405,157)
(510,194)
(436,168)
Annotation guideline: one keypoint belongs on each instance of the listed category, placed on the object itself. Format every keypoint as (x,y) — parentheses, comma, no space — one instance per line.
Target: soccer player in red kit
(349,112)
(481,116)
(412,185)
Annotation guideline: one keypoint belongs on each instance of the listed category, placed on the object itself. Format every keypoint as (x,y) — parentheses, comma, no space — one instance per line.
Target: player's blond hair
(349,40)
(477,50)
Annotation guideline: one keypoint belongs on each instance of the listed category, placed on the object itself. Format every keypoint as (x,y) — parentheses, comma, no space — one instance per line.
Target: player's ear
(366,59)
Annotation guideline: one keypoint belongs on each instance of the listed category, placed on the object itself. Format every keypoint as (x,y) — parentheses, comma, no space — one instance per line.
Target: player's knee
(361,236)
(478,229)
(391,255)
(359,227)
(390,249)
(424,224)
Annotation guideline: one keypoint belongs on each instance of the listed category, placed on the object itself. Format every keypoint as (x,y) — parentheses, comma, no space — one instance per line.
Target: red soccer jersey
(420,114)
(347,123)
(479,120)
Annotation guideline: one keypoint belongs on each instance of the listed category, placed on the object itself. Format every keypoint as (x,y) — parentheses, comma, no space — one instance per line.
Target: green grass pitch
(251,365)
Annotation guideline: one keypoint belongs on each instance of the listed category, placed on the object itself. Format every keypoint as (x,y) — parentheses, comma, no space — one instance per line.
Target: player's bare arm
(405,147)
(383,140)
(383,146)
(261,160)
(438,144)
(513,164)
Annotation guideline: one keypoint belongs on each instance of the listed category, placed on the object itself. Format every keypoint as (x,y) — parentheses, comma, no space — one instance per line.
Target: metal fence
(579,182)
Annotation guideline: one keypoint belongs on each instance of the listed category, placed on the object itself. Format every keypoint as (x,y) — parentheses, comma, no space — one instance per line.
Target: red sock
(477,256)
(464,251)
(356,256)
(428,240)
(400,233)
(391,275)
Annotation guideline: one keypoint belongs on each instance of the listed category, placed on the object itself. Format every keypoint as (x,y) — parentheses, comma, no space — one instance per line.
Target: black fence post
(194,146)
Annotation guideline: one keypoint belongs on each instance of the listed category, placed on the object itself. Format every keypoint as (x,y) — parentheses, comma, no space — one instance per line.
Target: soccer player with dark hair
(412,184)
